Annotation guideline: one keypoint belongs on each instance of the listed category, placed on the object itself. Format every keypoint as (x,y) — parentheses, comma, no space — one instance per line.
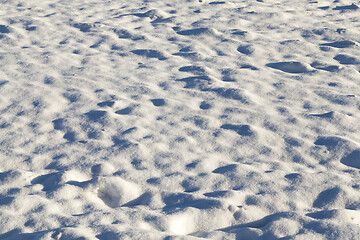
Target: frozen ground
(179,119)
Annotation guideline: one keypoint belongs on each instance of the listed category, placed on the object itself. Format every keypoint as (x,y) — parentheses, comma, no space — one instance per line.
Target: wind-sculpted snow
(192,119)
(290,67)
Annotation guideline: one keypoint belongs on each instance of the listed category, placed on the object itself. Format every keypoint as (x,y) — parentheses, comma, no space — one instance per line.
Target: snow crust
(189,119)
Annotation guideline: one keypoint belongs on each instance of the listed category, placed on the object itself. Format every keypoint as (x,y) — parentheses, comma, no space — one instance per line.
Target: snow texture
(189,119)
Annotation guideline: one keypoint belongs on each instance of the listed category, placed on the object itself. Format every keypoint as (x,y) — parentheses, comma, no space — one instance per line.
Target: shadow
(48,80)
(229,93)
(248,66)
(70,136)
(4,29)
(106,104)
(346,7)
(83,184)
(124,34)
(217,194)
(154,181)
(329,68)
(49,181)
(6,176)
(324,115)
(337,99)
(340,44)
(55,165)
(227,75)
(289,67)
(125,111)
(185,49)
(242,130)
(217,2)
(197,70)
(326,197)
(329,142)
(204,105)
(175,201)
(189,55)
(13,234)
(128,131)
(149,53)
(346,59)
(138,164)
(72,96)
(144,199)
(258,223)
(108,236)
(199,82)
(225,169)
(6,200)
(162,20)
(294,177)
(16,234)
(118,48)
(326,214)
(245,49)
(3,83)
(30,28)
(152,14)
(239,33)
(97,116)
(121,143)
(192,32)
(59,124)
(98,43)
(198,121)
(158,102)
(189,186)
(49,15)
(293,142)
(352,160)
(83,27)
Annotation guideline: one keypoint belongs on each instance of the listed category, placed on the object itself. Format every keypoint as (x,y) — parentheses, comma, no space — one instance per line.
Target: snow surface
(186,119)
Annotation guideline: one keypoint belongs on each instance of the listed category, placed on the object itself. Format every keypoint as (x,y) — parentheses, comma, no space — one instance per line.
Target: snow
(181,119)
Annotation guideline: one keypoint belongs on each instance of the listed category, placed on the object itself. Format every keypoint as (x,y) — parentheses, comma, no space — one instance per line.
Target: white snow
(190,119)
